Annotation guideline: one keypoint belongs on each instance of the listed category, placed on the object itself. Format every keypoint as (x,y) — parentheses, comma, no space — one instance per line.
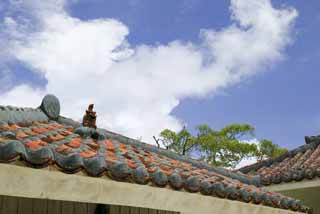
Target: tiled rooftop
(40,137)
(302,163)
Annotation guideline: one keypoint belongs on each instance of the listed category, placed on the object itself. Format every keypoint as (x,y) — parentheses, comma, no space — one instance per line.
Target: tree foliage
(181,142)
(223,147)
(266,149)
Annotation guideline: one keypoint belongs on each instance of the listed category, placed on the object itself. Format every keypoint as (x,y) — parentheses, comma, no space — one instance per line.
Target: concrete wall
(310,196)
(48,184)
(307,191)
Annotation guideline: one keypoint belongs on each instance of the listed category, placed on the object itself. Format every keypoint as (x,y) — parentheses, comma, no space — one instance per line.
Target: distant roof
(302,163)
(41,137)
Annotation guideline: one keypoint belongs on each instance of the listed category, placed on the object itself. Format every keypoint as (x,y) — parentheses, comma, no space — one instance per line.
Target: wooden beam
(54,207)
(24,205)
(9,205)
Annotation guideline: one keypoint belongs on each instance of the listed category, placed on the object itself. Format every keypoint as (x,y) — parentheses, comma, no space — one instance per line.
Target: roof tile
(297,165)
(46,142)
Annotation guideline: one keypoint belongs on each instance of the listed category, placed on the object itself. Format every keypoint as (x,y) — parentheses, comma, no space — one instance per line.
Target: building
(54,165)
(295,174)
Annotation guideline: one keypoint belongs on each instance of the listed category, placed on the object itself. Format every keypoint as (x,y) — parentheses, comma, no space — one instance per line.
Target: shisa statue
(89,119)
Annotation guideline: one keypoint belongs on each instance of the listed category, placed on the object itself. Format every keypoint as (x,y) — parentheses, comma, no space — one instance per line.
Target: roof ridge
(21,114)
(16,108)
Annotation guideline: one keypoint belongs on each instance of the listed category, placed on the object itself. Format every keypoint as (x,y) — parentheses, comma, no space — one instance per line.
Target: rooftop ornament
(89,119)
(312,139)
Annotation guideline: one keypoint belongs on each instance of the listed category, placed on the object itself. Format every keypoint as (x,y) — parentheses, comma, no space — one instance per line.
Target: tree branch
(157,141)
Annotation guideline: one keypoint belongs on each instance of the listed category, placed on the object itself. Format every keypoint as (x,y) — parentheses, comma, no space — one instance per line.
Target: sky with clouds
(150,65)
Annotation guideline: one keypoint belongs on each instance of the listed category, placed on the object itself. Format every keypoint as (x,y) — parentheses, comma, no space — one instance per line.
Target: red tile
(51,128)
(14,127)
(63,149)
(21,135)
(34,145)
(53,138)
(40,130)
(94,145)
(75,143)
(88,153)
(65,132)
(109,145)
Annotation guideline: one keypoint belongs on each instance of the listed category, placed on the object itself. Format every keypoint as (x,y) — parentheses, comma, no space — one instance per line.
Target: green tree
(267,149)
(224,147)
(181,142)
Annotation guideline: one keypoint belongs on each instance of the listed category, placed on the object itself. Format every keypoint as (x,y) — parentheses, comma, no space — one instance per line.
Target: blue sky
(282,105)
(280,100)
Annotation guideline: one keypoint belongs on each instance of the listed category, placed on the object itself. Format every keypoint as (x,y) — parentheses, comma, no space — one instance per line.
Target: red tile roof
(297,165)
(64,144)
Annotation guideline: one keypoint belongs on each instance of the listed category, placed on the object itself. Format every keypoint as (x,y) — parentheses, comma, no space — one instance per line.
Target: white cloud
(23,93)
(136,89)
